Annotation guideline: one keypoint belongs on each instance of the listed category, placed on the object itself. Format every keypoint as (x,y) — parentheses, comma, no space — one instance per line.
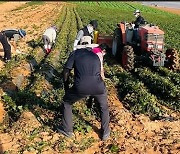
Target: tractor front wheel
(172,59)
(128,58)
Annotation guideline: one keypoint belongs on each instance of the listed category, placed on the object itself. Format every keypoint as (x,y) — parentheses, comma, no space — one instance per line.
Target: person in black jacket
(9,35)
(87,82)
(139,19)
(86,35)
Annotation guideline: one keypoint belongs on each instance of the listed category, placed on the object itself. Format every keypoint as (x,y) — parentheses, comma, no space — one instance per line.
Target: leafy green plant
(86,143)
(81,126)
(114,148)
(62,145)
(12,108)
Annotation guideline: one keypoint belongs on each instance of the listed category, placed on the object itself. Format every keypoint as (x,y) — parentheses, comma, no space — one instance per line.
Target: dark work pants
(71,97)
(6,46)
(135,35)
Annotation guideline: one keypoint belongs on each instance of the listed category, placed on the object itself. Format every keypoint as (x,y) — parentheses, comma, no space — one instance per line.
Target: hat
(22,33)
(94,24)
(136,11)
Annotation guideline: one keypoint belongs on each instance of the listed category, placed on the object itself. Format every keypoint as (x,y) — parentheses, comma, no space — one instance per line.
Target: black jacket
(139,20)
(87,72)
(86,32)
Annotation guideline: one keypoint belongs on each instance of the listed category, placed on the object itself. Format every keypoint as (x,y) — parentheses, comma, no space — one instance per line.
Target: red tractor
(148,47)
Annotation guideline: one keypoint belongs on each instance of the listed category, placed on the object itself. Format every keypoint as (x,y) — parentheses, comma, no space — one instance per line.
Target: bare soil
(130,133)
(171,10)
(2,112)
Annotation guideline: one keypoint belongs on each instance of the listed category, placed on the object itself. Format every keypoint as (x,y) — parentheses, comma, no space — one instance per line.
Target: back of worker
(51,33)
(14,34)
(87,82)
(10,35)
(87,69)
(49,37)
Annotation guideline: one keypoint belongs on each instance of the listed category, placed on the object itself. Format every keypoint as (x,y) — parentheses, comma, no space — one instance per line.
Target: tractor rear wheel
(128,58)
(117,43)
(173,59)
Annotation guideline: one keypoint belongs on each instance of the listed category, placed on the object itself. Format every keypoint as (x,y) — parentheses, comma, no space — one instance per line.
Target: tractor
(147,48)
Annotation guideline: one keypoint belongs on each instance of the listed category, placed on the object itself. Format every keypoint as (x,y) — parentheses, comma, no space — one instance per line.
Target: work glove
(18,51)
(75,44)
(133,25)
(74,48)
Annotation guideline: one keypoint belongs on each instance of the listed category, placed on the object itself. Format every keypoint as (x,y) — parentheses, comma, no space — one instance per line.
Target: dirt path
(171,10)
(8,6)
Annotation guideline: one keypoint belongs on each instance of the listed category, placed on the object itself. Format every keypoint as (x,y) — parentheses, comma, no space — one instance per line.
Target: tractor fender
(123,31)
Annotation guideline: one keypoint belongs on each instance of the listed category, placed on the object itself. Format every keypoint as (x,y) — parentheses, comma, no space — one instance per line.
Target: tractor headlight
(150,45)
(160,46)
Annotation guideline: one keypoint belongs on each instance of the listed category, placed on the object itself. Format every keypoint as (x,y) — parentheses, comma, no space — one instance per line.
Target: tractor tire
(117,43)
(173,59)
(128,58)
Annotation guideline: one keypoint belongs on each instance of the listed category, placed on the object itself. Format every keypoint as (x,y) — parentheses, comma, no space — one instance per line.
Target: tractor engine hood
(152,38)
(151,30)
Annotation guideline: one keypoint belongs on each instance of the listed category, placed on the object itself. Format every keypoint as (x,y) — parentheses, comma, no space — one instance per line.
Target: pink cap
(96,50)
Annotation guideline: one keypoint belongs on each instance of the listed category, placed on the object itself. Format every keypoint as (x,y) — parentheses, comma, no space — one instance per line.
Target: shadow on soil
(26,99)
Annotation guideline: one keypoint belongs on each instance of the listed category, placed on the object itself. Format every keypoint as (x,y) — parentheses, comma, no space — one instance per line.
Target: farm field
(144,104)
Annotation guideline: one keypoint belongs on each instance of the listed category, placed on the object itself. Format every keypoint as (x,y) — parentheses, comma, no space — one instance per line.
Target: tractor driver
(139,20)
(86,35)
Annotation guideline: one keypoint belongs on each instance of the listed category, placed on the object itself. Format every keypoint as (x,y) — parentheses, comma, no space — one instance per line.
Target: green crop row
(78,19)
(159,85)
(173,76)
(133,93)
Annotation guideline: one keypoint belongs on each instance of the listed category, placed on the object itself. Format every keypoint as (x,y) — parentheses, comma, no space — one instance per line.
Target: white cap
(136,11)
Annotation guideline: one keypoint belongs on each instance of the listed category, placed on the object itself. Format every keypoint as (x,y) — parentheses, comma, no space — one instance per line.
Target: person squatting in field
(10,35)
(86,35)
(87,82)
(49,37)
